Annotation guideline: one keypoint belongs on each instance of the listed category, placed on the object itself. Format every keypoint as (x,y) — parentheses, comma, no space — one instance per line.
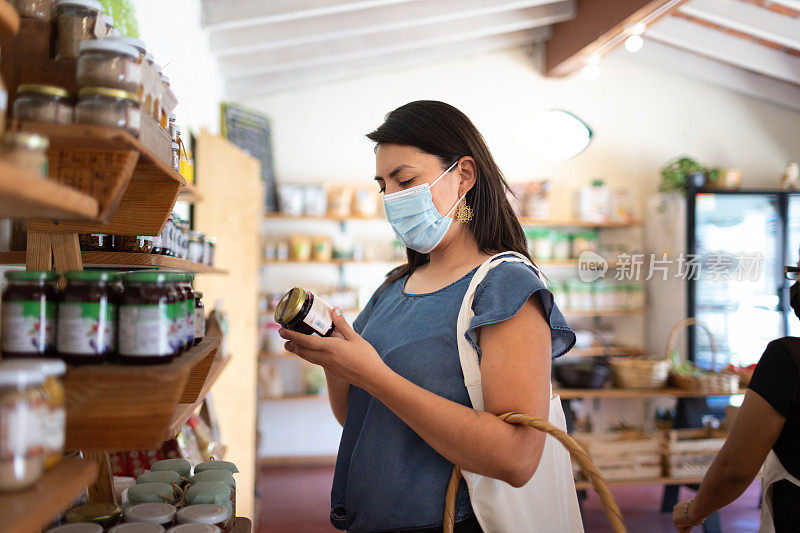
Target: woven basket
(709,382)
(639,373)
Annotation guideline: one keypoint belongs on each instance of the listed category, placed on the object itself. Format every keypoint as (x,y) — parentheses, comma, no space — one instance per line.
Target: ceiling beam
(397,17)
(307,56)
(232,14)
(269,83)
(716,44)
(600,26)
(749,19)
(720,74)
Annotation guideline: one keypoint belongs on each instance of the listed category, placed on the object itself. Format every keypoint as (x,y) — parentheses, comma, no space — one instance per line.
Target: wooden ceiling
(750,46)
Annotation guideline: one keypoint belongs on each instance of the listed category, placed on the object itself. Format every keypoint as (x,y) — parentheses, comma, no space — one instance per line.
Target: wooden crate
(689,452)
(624,454)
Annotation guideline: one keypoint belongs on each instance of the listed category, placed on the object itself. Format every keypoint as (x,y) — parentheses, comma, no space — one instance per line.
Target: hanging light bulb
(634,43)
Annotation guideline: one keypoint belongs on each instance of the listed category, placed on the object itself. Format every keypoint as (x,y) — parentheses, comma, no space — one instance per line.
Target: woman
(766,432)
(394,378)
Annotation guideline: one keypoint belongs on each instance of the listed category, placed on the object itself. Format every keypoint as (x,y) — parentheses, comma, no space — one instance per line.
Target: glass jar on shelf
(43,103)
(110,108)
(75,23)
(96,242)
(27,152)
(29,314)
(37,9)
(108,63)
(22,406)
(561,245)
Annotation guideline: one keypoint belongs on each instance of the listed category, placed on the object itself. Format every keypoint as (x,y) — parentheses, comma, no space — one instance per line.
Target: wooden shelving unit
(189,193)
(331,218)
(583,485)
(9,20)
(570,394)
(33,508)
(332,262)
(120,407)
(25,196)
(125,260)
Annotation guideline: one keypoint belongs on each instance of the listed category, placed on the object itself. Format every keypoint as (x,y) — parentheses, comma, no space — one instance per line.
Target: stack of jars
(136,318)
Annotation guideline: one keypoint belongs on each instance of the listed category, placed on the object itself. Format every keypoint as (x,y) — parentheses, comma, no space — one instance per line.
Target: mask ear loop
(444,173)
(457,204)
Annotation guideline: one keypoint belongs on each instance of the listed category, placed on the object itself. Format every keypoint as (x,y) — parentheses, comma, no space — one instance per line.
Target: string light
(634,42)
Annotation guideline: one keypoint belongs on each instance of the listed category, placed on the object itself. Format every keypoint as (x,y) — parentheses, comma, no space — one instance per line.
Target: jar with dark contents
(96,242)
(177,320)
(209,514)
(199,318)
(43,103)
(30,303)
(188,292)
(299,310)
(75,21)
(133,244)
(144,319)
(87,318)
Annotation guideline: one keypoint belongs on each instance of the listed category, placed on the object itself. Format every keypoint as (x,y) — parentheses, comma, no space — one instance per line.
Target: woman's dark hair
(442,130)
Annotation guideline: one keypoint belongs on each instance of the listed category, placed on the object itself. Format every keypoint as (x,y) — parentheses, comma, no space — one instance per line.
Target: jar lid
(90,4)
(149,57)
(137,527)
(157,513)
(108,45)
(130,41)
(194,528)
(31,275)
(40,88)
(92,275)
(290,305)
(198,294)
(165,79)
(31,141)
(48,367)
(109,20)
(20,376)
(107,91)
(204,513)
(145,277)
(94,512)
(77,528)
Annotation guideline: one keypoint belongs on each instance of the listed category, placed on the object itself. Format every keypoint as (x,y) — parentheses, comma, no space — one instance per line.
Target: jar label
(199,324)
(86,328)
(176,324)
(190,320)
(21,429)
(319,316)
(29,326)
(144,330)
(55,422)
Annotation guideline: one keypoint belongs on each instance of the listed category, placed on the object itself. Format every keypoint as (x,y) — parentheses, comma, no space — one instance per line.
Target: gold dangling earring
(464,213)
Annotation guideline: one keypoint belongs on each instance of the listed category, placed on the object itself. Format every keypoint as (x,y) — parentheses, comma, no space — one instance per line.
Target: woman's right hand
(679,517)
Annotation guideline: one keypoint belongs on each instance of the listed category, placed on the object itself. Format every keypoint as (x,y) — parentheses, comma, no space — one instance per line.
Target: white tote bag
(548,503)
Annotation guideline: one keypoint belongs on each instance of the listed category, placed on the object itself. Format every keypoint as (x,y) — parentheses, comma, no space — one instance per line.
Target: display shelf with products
(126,261)
(577,223)
(332,262)
(611,350)
(573,394)
(24,196)
(120,407)
(34,508)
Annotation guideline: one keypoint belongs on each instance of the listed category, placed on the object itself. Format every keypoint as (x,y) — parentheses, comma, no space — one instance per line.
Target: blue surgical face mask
(415,220)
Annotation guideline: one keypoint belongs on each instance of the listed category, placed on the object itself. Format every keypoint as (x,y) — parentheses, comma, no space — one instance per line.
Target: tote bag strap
(470,366)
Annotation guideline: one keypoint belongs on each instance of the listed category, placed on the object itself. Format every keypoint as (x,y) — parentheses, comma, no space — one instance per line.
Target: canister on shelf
(300,311)
(27,151)
(87,318)
(110,108)
(322,249)
(37,9)
(196,247)
(29,314)
(144,319)
(75,23)
(22,407)
(108,63)
(43,103)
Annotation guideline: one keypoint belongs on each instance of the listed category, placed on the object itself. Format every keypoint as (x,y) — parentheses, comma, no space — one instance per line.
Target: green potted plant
(676,174)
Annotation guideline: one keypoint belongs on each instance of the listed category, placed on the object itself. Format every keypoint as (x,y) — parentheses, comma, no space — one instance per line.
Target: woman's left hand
(679,517)
(346,354)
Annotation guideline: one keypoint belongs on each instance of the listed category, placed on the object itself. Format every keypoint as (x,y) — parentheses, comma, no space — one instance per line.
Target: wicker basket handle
(575,450)
(686,322)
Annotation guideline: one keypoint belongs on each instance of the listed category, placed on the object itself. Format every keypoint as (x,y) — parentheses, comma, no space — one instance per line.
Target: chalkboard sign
(252,133)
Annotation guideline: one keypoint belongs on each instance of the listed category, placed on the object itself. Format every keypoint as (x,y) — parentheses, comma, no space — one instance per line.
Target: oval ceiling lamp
(558,135)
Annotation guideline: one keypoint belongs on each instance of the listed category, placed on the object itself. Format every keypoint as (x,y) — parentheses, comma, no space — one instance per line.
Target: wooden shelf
(122,407)
(135,188)
(333,218)
(27,196)
(613,312)
(189,193)
(9,20)
(125,260)
(583,485)
(599,351)
(576,223)
(34,508)
(569,394)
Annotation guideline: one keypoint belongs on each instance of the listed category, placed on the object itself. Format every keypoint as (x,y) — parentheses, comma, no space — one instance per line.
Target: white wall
(642,117)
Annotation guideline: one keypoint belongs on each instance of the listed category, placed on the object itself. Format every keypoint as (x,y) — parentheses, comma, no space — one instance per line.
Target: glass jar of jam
(144,319)
(29,314)
(105,514)
(209,514)
(22,407)
(176,318)
(87,318)
(53,415)
(185,286)
(199,318)
(162,514)
(43,103)
(300,311)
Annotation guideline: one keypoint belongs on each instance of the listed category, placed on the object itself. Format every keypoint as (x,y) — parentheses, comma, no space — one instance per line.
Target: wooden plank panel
(23,197)
(126,260)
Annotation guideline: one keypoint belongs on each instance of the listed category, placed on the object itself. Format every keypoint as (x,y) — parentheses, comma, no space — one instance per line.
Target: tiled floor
(297,500)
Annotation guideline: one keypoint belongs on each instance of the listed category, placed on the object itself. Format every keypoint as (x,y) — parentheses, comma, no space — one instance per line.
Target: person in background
(765,436)
(394,378)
